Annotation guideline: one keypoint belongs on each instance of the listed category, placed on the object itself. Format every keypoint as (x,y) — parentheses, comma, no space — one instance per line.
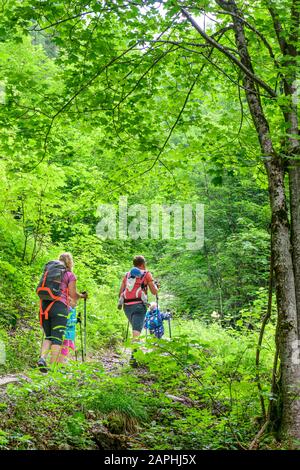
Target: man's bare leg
(135,335)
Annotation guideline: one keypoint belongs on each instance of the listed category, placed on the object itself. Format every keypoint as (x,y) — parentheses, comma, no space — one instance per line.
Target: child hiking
(70,333)
(154,320)
(56,287)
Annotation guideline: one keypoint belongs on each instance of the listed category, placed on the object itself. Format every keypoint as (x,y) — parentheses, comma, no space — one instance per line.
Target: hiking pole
(127,331)
(169,322)
(42,342)
(157,301)
(84,325)
(81,340)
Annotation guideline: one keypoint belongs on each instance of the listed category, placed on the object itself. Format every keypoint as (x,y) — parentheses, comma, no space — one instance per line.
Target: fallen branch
(255,442)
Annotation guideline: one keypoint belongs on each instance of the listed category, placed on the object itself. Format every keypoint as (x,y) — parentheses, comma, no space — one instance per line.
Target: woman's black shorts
(55,326)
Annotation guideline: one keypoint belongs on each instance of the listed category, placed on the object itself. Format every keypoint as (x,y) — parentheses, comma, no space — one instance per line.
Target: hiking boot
(133,362)
(42,365)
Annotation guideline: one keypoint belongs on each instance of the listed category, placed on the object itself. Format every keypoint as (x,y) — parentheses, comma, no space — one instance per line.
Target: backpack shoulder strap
(124,281)
(144,286)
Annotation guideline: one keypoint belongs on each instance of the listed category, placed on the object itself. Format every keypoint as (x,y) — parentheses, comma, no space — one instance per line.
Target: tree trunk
(291,118)
(294,188)
(287,332)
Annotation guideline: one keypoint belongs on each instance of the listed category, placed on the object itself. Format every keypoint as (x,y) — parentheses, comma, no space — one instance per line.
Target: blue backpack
(153,319)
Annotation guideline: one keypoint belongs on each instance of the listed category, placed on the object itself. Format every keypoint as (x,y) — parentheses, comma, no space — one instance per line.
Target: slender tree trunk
(287,331)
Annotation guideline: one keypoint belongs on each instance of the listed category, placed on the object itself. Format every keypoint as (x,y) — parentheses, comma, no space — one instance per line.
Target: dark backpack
(49,285)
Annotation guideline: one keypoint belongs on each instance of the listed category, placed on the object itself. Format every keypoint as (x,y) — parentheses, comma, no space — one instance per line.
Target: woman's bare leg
(45,348)
(56,356)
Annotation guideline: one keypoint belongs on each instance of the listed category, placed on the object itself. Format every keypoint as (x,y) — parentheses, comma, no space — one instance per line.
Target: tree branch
(252,28)
(232,57)
(182,44)
(143,76)
(278,29)
(226,74)
(56,23)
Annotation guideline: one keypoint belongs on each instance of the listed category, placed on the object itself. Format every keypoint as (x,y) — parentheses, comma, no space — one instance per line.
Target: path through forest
(112,362)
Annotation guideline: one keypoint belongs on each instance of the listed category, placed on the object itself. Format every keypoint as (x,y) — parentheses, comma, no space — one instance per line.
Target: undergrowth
(197,391)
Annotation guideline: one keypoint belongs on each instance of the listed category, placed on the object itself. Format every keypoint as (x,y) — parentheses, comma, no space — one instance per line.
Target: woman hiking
(54,313)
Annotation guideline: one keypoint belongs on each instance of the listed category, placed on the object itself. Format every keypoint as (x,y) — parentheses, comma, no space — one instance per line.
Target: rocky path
(112,360)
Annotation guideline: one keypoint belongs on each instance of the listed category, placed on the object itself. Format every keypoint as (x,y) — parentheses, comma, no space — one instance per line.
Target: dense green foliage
(37,222)
(80,128)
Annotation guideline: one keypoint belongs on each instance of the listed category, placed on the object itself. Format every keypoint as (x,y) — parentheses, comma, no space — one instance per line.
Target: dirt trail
(111,360)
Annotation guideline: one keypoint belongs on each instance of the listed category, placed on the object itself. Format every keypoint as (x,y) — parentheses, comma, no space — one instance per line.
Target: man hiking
(133,294)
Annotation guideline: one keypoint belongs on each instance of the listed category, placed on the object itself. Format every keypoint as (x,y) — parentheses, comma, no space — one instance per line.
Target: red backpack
(135,288)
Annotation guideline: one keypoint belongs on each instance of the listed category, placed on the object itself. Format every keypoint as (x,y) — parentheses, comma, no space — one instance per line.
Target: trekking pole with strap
(157,301)
(169,322)
(84,326)
(81,339)
(169,319)
(42,342)
(78,320)
(127,331)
